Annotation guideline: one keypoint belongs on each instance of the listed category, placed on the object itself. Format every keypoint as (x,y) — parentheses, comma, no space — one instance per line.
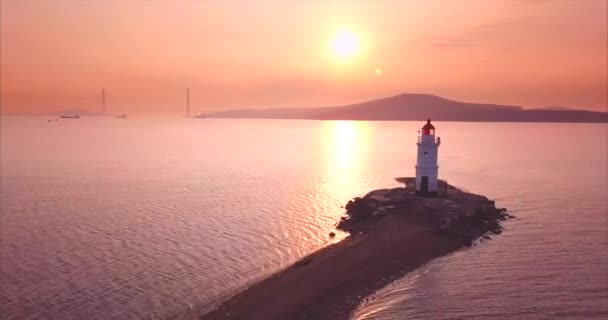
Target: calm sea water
(105,218)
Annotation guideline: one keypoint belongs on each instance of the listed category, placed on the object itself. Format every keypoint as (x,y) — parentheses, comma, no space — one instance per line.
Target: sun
(345,44)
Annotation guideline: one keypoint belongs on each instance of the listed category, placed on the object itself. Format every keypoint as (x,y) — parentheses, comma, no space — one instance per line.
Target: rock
(469,214)
(380,200)
(484,208)
(467,241)
(398,194)
(461,214)
(445,225)
(359,208)
(496,230)
(379,212)
(303,262)
(378,193)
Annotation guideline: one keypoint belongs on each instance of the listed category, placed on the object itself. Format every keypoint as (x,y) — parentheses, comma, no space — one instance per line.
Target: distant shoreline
(418,107)
(307,119)
(412,120)
(394,232)
(401,107)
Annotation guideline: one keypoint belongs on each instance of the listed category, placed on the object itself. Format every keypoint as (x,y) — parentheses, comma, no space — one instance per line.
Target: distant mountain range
(419,107)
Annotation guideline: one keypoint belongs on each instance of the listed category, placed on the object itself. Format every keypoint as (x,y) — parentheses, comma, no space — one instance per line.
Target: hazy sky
(59,54)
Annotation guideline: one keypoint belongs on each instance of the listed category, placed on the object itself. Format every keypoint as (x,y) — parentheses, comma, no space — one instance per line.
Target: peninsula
(392,232)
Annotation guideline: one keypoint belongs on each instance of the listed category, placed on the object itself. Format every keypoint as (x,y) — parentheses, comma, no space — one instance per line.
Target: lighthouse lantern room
(426,165)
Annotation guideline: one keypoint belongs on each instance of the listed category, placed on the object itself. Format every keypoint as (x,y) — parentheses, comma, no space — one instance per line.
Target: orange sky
(58,55)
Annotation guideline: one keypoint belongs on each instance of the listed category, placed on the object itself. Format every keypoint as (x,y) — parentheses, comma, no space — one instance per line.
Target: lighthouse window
(426,154)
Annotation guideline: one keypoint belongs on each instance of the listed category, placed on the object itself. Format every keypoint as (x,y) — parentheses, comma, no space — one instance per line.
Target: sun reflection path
(346,149)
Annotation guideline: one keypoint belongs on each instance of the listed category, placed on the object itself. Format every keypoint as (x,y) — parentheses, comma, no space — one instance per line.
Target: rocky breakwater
(392,232)
(452,212)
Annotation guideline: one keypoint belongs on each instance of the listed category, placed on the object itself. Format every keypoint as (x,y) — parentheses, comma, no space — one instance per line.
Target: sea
(162,218)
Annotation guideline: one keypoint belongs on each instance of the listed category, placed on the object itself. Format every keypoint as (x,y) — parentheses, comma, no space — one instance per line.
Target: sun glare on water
(346,149)
(345,44)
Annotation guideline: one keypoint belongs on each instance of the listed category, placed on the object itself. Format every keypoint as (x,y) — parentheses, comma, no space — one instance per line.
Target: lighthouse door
(424,184)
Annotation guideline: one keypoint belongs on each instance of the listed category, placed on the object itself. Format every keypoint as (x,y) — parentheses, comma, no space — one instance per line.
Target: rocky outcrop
(456,213)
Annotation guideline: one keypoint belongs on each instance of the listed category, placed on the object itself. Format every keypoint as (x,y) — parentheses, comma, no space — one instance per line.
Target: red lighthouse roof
(428,125)
(428,128)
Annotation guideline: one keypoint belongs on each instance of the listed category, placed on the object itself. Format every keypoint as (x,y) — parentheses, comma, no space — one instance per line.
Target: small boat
(121,116)
(70,117)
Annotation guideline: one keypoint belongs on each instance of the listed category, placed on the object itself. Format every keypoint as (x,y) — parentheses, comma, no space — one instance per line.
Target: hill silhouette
(409,106)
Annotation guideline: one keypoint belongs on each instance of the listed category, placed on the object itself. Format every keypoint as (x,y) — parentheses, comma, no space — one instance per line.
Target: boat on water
(121,116)
(70,116)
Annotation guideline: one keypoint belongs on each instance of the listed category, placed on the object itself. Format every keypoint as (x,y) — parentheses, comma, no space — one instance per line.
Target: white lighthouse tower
(426,165)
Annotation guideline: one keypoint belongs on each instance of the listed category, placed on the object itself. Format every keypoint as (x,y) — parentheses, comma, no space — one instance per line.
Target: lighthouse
(426,164)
